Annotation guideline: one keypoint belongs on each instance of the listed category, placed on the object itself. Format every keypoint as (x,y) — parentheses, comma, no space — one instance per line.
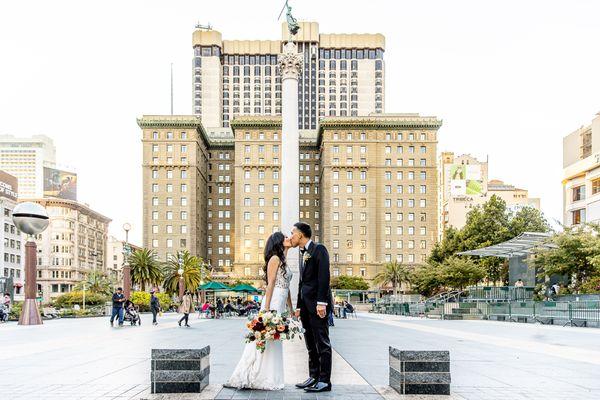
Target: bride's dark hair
(274,247)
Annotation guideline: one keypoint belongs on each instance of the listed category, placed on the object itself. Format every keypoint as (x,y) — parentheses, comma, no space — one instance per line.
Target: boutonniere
(306,256)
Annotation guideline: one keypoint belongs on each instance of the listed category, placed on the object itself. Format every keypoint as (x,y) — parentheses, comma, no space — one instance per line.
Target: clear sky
(509,78)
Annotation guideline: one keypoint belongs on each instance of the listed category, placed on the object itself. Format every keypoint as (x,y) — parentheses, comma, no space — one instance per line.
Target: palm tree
(96,282)
(145,268)
(394,273)
(193,271)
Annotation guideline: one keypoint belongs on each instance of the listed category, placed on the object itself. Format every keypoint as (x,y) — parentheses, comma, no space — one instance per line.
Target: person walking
(117,307)
(154,306)
(187,306)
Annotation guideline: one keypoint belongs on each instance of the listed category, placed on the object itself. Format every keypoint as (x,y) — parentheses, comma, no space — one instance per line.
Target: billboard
(465,180)
(61,184)
(8,186)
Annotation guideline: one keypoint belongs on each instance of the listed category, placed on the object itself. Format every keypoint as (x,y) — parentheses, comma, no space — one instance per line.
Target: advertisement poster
(60,184)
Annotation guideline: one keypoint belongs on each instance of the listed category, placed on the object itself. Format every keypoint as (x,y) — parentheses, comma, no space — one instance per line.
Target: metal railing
(500,293)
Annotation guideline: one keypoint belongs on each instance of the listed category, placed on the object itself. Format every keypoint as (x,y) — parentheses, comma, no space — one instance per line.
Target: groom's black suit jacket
(314,279)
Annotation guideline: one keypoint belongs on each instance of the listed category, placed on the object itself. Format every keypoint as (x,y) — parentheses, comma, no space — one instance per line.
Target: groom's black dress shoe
(319,387)
(307,383)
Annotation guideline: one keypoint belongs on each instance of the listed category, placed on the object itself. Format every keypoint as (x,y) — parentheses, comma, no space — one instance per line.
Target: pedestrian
(154,306)
(117,307)
(187,306)
(519,283)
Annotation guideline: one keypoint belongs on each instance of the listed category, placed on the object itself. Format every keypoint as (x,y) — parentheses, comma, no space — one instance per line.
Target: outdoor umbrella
(213,287)
(245,288)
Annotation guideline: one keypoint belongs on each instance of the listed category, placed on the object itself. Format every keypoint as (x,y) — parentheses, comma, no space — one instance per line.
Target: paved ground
(86,359)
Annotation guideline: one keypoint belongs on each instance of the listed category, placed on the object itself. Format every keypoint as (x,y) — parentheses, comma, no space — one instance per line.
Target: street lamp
(180,273)
(126,267)
(31,219)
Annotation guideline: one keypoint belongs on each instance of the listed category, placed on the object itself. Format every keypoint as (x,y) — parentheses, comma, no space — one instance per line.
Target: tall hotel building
(26,158)
(343,75)
(368,186)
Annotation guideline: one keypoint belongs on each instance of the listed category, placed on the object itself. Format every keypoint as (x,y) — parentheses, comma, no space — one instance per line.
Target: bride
(264,371)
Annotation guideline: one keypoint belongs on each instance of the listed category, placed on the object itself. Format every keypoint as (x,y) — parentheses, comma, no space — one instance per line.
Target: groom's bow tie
(302,250)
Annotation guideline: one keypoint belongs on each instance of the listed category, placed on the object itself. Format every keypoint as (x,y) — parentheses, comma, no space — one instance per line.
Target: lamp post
(180,273)
(126,267)
(31,219)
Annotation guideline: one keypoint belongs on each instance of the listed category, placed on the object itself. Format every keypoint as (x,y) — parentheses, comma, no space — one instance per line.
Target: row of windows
(12,272)
(169,148)
(169,135)
(388,149)
(388,136)
(169,160)
(387,189)
(169,229)
(12,258)
(169,215)
(387,162)
(169,187)
(169,174)
(169,201)
(169,243)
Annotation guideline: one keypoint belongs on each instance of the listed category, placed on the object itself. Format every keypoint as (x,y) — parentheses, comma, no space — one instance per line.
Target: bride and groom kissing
(265,370)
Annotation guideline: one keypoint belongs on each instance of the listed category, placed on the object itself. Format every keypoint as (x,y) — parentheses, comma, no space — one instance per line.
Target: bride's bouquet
(270,326)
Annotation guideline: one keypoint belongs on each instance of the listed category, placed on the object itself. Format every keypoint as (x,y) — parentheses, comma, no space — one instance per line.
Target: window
(596,186)
(578,216)
(578,193)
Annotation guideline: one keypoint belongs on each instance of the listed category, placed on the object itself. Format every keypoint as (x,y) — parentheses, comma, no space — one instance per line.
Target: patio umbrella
(213,287)
(244,288)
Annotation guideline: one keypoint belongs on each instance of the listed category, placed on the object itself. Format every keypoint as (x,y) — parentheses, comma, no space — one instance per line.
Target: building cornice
(72,205)
(174,121)
(256,121)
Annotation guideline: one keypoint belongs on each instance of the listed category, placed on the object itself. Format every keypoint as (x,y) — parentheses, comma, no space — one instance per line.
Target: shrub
(67,300)
(15,310)
(349,283)
(142,299)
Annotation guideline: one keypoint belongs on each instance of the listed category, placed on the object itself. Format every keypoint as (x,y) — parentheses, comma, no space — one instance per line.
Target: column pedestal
(30,314)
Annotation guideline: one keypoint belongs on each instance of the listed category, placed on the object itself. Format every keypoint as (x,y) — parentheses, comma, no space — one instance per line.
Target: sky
(509,78)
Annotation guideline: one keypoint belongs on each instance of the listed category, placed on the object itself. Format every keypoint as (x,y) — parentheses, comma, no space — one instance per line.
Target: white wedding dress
(264,371)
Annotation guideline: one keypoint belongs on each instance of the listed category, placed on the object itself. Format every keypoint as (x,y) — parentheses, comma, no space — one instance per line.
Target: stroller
(132,314)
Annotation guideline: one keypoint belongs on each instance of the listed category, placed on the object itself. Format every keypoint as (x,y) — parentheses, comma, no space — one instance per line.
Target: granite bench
(420,372)
(180,370)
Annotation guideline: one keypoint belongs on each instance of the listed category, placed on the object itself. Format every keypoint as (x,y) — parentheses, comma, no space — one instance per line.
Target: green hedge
(68,300)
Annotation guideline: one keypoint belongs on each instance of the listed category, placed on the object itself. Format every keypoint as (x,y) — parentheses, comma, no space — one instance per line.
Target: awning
(520,246)
(213,286)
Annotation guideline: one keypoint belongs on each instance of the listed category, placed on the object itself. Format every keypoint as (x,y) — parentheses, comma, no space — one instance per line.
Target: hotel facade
(368,187)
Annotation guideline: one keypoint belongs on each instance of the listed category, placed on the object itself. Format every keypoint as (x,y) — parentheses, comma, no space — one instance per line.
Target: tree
(459,272)
(427,279)
(145,268)
(394,273)
(528,219)
(67,300)
(96,282)
(487,225)
(576,256)
(448,246)
(193,269)
(349,283)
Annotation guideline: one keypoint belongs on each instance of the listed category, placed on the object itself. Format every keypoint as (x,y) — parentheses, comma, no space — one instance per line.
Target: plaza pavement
(87,359)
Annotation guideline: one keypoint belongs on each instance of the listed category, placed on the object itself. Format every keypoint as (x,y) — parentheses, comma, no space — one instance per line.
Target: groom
(313,306)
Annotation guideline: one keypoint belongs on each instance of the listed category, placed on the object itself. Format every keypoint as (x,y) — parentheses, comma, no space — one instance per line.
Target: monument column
(290,67)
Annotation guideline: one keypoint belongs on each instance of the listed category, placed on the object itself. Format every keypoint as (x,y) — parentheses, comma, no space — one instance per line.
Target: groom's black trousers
(316,337)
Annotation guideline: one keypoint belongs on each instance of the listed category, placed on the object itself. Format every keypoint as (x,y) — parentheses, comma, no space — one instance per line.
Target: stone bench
(180,370)
(420,372)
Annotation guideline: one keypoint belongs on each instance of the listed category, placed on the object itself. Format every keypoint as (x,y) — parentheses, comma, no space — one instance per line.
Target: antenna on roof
(200,26)
(171,88)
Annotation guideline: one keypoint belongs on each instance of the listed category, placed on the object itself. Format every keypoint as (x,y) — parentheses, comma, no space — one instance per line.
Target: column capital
(290,62)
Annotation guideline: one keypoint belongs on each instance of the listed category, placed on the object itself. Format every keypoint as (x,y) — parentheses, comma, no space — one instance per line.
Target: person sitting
(220,308)
(205,310)
(229,308)
(348,308)
(519,283)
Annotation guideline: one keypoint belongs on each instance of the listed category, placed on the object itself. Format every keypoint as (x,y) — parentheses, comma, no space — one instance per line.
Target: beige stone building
(343,75)
(368,186)
(74,242)
(581,175)
(464,184)
(115,257)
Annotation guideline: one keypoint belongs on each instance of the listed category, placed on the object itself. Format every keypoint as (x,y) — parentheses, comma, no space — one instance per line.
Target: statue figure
(293,26)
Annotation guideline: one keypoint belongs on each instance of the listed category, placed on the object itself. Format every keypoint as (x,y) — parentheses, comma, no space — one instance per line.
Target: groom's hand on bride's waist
(297,313)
